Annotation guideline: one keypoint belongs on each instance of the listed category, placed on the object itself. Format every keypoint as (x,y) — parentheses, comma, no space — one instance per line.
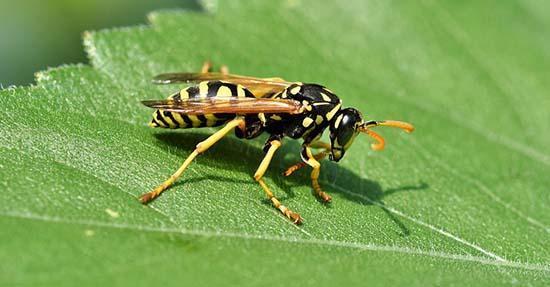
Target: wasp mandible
(251,106)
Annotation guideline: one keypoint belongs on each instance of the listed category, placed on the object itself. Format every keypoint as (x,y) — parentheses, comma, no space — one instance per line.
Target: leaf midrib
(323,242)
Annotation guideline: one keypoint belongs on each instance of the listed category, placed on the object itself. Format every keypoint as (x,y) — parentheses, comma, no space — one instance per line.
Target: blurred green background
(37,34)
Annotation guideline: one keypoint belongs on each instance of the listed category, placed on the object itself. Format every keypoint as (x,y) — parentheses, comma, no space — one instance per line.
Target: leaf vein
(323,242)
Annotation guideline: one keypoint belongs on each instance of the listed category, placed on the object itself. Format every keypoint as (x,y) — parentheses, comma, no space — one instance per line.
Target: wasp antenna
(380,142)
(407,127)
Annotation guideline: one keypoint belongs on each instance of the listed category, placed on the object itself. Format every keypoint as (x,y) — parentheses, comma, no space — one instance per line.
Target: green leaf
(464,200)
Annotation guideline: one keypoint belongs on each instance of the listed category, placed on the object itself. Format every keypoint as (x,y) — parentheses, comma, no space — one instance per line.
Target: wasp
(250,106)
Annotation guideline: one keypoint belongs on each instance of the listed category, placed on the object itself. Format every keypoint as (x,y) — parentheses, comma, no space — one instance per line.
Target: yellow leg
(295,217)
(315,176)
(224,70)
(297,166)
(206,66)
(319,156)
(200,148)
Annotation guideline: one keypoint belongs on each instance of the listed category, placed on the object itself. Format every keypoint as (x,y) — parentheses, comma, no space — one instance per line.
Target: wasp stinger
(251,106)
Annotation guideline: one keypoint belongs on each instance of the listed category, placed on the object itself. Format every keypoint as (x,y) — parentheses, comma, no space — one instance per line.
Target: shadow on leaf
(243,156)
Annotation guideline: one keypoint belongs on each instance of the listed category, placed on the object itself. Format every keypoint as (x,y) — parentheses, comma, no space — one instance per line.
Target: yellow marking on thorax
(203,89)
(224,92)
(307,122)
(321,104)
(325,97)
(306,105)
(295,90)
(276,117)
(332,112)
(319,119)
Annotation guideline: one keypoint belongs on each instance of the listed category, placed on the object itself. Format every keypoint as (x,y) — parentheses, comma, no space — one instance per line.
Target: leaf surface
(463,200)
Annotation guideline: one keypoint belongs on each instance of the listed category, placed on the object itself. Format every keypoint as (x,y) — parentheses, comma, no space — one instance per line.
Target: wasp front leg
(318,156)
(310,159)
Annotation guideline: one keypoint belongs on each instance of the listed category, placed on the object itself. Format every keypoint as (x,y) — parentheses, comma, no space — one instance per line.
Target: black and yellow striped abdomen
(210,89)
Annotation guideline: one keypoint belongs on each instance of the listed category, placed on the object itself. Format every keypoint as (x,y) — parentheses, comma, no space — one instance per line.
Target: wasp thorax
(343,131)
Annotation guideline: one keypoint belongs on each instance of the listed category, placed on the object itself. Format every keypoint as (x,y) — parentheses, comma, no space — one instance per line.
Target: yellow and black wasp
(251,106)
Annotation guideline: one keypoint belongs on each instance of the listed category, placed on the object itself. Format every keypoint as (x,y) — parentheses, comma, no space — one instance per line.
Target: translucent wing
(197,106)
(260,87)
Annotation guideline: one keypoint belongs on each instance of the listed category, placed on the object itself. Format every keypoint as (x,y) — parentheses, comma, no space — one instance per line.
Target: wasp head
(343,131)
(348,123)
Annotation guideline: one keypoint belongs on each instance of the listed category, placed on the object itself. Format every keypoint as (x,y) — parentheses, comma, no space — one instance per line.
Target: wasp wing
(260,87)
(197,106)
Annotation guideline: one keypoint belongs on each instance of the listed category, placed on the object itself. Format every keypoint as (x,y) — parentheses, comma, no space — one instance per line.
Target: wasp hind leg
(273,146)
(200,148)
(207,66)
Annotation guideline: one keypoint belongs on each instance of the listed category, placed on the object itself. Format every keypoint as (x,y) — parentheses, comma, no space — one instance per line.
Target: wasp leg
(206,66)
(224,70)
(274,145)
(311,161)
(319,156)
(200,148)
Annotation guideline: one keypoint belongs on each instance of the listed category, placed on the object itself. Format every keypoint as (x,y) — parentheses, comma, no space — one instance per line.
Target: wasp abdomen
(206,89)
